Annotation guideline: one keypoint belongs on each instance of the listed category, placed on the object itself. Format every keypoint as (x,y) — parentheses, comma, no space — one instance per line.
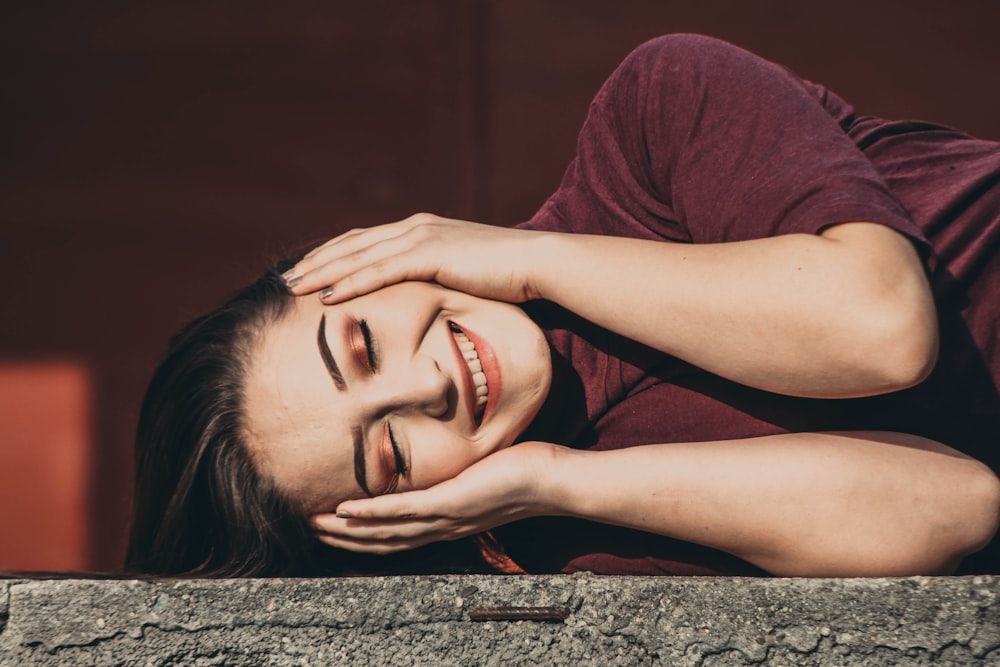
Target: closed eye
(390,464)
(364,345)
(392,460)
(401,468)
(369,345)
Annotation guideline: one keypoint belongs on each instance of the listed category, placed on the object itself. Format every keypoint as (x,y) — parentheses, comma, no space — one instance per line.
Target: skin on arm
(845,313)
(809,504)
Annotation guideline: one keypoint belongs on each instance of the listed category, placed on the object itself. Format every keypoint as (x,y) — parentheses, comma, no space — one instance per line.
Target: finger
(329,243)
(347,244)
(375,528)
(375,548)
(350,240)
(371,278)
(358,531)
(356,238)
(304,278)
(332,272)
(393,506)
(387,263)
(377,531)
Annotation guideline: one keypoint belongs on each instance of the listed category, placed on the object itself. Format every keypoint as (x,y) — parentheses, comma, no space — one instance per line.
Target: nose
(421,387)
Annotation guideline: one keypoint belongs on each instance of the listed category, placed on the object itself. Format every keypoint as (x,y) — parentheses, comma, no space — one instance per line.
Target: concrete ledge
(428,620)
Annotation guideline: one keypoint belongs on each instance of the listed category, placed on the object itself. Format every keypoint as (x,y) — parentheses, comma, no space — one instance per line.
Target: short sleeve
(695,140)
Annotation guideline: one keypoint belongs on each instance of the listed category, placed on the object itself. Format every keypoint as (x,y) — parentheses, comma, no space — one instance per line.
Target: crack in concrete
(880,653)
(933,654)
(743,657)
(983,621)
(771,641)
(186,653)
(4,607)
(827,645)
(140,633)
(364,628)
(166,628)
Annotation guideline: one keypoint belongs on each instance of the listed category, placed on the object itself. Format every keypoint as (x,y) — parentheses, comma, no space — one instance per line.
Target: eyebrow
(338,380)
(359,460)
(327,356)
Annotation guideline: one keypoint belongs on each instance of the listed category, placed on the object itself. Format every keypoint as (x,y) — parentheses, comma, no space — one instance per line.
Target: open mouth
(480,391)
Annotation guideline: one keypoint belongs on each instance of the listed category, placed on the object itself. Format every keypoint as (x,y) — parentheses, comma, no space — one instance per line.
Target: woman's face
(379,394)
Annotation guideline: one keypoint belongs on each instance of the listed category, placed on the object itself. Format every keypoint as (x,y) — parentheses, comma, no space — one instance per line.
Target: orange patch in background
(46,440)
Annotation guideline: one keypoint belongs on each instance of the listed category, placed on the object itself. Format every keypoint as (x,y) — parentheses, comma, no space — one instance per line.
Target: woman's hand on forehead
(485,261)
(506,486)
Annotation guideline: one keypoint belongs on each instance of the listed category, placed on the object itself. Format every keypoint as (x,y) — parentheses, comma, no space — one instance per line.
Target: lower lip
(488,358)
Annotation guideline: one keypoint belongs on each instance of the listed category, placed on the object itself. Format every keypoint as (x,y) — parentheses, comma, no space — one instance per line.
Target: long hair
(200,506)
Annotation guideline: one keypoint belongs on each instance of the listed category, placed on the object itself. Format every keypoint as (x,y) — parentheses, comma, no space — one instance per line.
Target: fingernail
(344,515)
(291,280)
(326,293)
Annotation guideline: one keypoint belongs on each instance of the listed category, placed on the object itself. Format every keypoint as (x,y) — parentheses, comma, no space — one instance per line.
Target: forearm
(799,314)
(799,504)
(844,313)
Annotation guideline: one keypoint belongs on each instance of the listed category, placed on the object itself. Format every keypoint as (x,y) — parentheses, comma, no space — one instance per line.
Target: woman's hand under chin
(482,260)
(503,487)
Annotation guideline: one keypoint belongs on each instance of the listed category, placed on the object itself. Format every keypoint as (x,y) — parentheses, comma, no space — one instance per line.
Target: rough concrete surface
(427,621)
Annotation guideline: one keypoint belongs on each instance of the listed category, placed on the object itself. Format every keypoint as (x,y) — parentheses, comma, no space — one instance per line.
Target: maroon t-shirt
(693,140)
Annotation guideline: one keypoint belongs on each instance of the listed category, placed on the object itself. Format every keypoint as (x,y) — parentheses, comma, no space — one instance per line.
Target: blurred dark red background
(153,156)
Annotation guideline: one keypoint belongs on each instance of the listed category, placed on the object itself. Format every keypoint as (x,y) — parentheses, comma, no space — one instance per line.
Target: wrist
(541,262)
(541,474)
(556,480)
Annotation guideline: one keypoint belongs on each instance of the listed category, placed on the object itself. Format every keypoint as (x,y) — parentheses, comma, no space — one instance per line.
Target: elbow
(902,347)
(973,524)
(954,517)
(928,535)
(885,303)
(910,360)
(983,511)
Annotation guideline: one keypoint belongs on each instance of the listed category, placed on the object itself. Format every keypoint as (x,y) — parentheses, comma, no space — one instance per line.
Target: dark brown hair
(200,507)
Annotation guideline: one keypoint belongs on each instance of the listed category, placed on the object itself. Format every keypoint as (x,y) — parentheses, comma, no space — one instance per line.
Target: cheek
(438,457)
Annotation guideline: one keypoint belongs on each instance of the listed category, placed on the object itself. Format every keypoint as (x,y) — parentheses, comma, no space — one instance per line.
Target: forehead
(297,422)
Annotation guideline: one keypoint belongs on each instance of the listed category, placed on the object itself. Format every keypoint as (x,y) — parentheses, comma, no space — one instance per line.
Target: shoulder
(683,52)
(686,74)
(684,45)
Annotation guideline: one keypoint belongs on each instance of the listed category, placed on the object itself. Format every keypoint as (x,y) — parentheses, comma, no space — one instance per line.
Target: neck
(563,415)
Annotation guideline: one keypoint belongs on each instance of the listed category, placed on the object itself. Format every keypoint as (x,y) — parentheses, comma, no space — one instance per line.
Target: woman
(756,332)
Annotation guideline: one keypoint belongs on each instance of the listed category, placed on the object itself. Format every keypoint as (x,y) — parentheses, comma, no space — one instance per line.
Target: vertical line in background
(482,121)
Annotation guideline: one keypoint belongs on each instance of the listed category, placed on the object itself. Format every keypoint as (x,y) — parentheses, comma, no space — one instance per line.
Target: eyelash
(400,463)
(397,461)
(369,345)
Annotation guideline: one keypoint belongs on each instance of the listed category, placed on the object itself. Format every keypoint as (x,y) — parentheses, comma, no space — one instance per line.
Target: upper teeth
(475,367)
